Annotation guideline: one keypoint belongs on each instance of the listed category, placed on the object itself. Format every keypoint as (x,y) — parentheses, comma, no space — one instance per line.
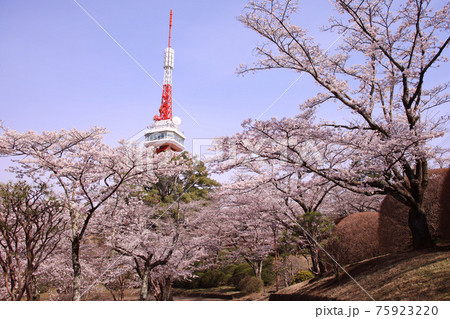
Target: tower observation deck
(163,133)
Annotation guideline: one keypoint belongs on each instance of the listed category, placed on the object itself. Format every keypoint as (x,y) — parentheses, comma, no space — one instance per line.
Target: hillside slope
(418,275)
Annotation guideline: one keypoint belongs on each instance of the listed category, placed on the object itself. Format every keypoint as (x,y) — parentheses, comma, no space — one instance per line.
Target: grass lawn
(417,275)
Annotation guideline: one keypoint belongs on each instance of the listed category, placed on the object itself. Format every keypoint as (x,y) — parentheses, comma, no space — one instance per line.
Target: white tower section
(164,133)
(169,55)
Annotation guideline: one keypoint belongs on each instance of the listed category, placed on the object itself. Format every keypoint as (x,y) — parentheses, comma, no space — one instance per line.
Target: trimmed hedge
(249,285)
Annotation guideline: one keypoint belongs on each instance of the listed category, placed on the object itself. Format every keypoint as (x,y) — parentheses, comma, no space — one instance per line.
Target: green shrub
(302,275)
(204,279)
(268,276)
(212,278)
(229,275)
(226,279)
(241,271)
(249,285)
(191,283)
(229,269)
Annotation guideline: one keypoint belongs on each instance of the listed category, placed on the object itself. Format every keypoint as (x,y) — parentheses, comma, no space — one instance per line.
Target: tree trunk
(258,268)
(166,289)
(76,283)
(9,281)
(122,283)
(29,268)
(111,292)
(144,295)
(314,251)
(29,285)
(322,266)
(417,219)
(418,224)
(36,294)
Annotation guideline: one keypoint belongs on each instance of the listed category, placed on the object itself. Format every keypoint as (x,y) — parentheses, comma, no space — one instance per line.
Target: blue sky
(58,69)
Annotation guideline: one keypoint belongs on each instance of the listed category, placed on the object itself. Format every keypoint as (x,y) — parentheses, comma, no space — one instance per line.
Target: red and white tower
(164,133)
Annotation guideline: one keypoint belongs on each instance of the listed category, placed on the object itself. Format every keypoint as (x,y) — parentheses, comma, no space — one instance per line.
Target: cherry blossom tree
(380,73)
(86,171)
(31,226)
(297,195)
(266,166)
(246,227)
(345,202)
(194,245)
(162,245)
(146,239)
(55,274)
(125,218)
(183,194)
(104,267)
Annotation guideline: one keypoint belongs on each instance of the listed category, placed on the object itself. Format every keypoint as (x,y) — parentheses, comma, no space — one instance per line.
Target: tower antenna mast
(170,27)
(165,111)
